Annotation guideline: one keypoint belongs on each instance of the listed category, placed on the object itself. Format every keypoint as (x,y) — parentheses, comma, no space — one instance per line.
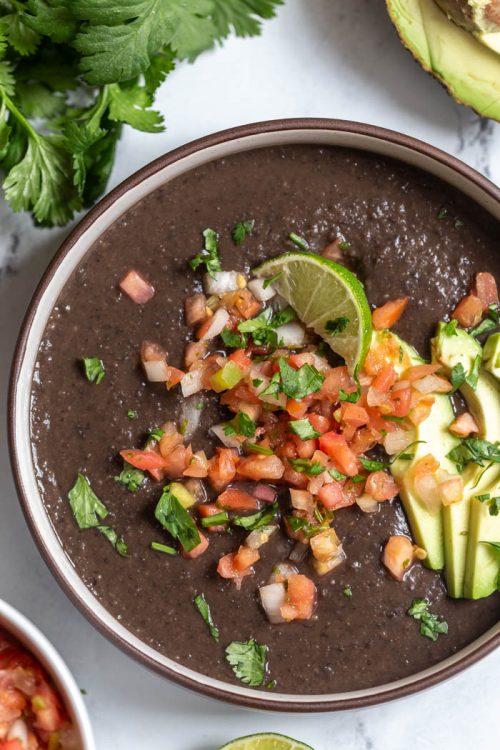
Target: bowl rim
(20,627)
(226,691)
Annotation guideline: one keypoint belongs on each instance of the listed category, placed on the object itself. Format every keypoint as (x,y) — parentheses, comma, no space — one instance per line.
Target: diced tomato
(464,425)
(296,409)
(299,360)
(222,468)
(387,315)
(233,499)
(354,415)
(401,402)
(300,598)
(485,288)
(195,310)
(336,379)
(242,304)
(261,467)
(240,358)
(398,556)
(170,439)
(469,311)
(387,352)
(332,496)
(305,448)
(385,379)
(381,486)
(206,510)
(226,568)
(320,423)
(11,745)
(204,327)
(137,287)
(416,372)
(244,558)
(194,351)
(364,440)
(177,462)
(144,460)
(174,376)
(426,465)
(198,550)
(421,410)
(336,447)
(198,466)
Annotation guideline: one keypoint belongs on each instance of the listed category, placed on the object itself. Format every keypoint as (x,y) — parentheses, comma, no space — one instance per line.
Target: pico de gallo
(292,449)
(32,715)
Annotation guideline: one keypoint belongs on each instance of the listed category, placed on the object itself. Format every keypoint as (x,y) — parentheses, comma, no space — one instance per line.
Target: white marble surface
(318,58)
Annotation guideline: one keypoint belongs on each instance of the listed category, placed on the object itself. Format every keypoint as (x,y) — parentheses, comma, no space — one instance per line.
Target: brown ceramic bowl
(278,133)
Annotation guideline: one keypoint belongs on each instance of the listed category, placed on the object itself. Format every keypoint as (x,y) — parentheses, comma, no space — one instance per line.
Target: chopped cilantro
(457,376)
(492,502)
(256,448)
(209,257)
(473,376)
(132,414)
(156,434)
(176,520)
(256,382)
(199,406)
(347,591)
(337,325)
(352,398)
(183,426)
(273,387)
(282,317)
(256,520)
(450,329)
(216,520)
(299,241)
(130,477)
(373,465)
(299,383)
(304,429)
(304,466)
(233,339)
(458,223)
(474,450)
(94,369)
(89,511)
(165,548)
(271,279)
(337,475)
(430,625)
(203,608)
(248,661)
(229,430)
(392,418)
(490,322)
(442,212)
(241,230)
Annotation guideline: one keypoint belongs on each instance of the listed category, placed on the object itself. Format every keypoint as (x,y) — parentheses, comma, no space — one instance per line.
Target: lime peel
(265,741)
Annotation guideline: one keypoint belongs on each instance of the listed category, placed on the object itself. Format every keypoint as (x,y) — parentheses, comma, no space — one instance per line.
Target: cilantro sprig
(248,661)
(474,450)
(431,626)
(73,72)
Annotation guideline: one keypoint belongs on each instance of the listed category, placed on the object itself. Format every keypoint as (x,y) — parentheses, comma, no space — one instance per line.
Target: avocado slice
(426,524)
(480,17)
(482,571)
(469,70)
(483,402)
(491,354)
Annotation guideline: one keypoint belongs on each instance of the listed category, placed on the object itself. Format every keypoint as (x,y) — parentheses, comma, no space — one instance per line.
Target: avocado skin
(469,570)
(468,68)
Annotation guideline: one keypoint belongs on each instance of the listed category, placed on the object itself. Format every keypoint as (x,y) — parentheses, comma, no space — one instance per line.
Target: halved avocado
(469,70)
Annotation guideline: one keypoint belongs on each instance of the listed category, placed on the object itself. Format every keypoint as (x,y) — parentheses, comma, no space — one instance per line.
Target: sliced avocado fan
(466,67)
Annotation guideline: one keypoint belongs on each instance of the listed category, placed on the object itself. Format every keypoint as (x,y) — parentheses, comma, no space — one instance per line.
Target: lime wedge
(327,298)
(265,742)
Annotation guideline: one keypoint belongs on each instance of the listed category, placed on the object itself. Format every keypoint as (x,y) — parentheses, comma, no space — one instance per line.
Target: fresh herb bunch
(72,72)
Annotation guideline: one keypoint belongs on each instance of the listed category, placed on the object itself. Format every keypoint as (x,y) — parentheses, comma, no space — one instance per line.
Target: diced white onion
(156,371)
(428,384)
(217,324)
(375,397)
(278,399)
(221,282)
(397,441)
(19,731)
(273,597)
(426,489)
(301,499)
(260,293)
(229,441)
(190,417)
(192,382)
(282,571)
(367,504)
(258,537)
(291,334)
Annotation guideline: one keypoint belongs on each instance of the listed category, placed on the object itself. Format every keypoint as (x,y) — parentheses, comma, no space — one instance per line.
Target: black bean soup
(400,243)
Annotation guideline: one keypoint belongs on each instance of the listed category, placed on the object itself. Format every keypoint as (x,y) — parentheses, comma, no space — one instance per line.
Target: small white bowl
(28,635)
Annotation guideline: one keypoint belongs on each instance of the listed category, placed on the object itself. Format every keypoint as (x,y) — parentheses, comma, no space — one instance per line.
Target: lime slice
(267,741)
(322,292)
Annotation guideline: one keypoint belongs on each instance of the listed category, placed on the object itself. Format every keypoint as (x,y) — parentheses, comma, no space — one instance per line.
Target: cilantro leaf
(243,425)
(52,18)
(94,369)
(457,376)
(337,325)
(256,520)
(430,625)
(304,429)
(474,450)
(209,257)
(273,387)
(89,511)
(241,15)
(299,383)
(176,520)
(473,376)
(130,477)
(232,339)
(241,230)
(492,321)
(248,661)
(130,105)
(303,466)
(256,448)
(282,317)
(203,608)
(116,541)
(372,465)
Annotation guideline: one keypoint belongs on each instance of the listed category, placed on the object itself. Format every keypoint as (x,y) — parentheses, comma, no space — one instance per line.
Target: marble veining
(318,58)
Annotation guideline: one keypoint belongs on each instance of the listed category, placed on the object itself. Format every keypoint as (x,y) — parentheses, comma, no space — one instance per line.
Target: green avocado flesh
(468,68)
(471,567)
(472,15)
(426,524)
